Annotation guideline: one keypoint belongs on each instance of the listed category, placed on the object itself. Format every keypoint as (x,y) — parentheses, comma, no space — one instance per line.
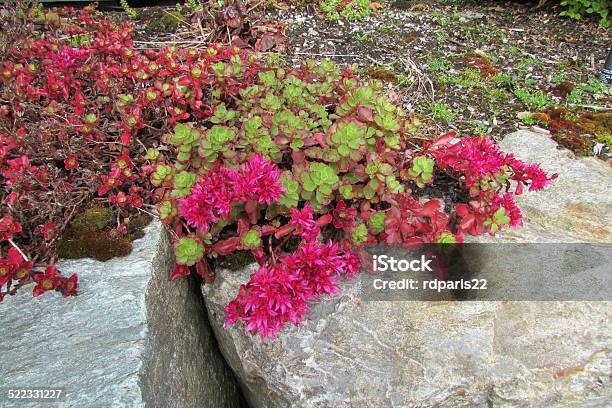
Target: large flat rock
(445,354)
(426,354)
(130,338)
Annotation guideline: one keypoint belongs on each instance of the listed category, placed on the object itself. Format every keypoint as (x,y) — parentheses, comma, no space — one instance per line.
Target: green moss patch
(96,219)
(81,242)
(92,235)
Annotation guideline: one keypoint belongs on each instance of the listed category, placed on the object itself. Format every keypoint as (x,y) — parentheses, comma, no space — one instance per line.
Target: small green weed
(442,112)
(533,100)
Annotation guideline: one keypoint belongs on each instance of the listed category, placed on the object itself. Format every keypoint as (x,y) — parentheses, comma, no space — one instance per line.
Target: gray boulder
(426,354)
(445,354)
(577,207)
(131,337)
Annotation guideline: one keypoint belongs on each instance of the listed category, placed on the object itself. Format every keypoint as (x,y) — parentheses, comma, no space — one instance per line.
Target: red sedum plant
(79,107)
(316,156)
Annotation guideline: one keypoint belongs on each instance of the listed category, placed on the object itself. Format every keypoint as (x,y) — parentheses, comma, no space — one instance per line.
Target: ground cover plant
(576,9)
(80,106)
(299,167)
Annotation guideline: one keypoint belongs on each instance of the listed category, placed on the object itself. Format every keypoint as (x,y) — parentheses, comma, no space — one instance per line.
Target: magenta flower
(303,222)
(271,298)
(276,295)
(531,172)
(478,158)
(212,196)
(67,59)
(210,200)
(258,180)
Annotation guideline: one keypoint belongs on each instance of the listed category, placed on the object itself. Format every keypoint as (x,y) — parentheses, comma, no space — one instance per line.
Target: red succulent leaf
(46,281)
(69,286)
(227,246)
(323,220)
(179,271)
(284,230)
(365,114)
(443,140)
(71,162)
(429,208)
(252,210)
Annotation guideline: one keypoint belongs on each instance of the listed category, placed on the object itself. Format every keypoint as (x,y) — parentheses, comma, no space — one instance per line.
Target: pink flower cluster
(67,59)
(279,294)
(524,172)
(258,181)
(210,200)
(478,158)
(303,222)
(212,196)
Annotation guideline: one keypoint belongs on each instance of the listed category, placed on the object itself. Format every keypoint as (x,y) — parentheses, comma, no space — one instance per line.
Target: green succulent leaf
(322,175)
(377,222)
(181,132)
(307,182)
(219,135)
(222,115)
(252,125)
(500,217)
(348,138)
(291,195)
(251,239)
(166,210)
(182,184)
(346,191)
(447,238)
(359,235)
(188,251)
(162,173)
(422,170)
(152,154)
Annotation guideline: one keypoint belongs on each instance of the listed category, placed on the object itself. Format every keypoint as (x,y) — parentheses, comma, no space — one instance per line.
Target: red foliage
(79,106)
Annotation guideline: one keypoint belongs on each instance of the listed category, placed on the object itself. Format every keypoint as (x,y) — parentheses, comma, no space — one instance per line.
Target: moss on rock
(78,241)
(171,20)
(95,219)
(136,225)
(90,235)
